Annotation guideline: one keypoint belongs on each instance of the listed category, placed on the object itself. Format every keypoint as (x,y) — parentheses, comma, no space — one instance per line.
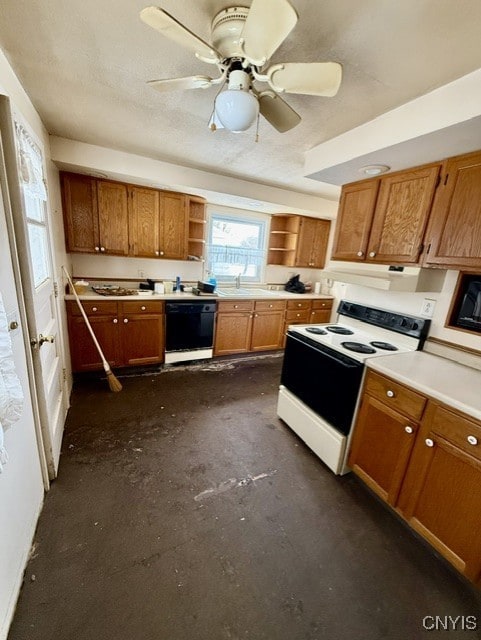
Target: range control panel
(401,323)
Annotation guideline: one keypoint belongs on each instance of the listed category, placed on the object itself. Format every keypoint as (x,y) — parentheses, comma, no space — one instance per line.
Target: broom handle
(82,311)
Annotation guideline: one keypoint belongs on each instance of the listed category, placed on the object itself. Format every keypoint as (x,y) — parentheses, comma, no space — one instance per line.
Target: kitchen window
(236,246)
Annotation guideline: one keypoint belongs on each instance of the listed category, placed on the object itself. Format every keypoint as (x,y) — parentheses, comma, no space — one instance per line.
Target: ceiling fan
(243,40)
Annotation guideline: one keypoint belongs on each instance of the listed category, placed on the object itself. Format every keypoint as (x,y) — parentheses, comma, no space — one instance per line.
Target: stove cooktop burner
(316,330)
(358,347)
(386,346)
(342,330)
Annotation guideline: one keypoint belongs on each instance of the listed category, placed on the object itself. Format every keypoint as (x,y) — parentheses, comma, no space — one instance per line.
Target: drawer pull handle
(408,429)
(125,320)
(236,306)
(360,254)
(102,248)
(299,304)
(115,320)
(142,308)
(429,442)
(270,306)
(390,394)
(97,248)
(372,254)
(94,308)
(472,440)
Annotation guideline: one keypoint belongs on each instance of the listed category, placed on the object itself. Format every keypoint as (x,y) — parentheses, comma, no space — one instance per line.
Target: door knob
(38,342)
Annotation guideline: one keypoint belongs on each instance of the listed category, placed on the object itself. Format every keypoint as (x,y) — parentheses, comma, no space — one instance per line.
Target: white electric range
(323,370)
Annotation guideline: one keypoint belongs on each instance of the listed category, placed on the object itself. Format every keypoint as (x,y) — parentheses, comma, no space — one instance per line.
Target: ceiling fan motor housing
(226,30)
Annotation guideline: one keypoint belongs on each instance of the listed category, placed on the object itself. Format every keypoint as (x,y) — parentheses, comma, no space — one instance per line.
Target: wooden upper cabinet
(384,220)
(79,200)
(144,211)
(113,217)
(356,211)
(174,226)
(401,215)
(453,238)
(312,242)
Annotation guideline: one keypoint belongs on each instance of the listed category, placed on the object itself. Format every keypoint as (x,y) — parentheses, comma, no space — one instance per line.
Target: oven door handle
(340,358)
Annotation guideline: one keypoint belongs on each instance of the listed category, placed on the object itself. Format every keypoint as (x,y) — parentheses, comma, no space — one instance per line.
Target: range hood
(411,279)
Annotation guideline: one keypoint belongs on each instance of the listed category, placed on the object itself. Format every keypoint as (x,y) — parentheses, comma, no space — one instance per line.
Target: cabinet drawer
(102,307)
(142,306)
(298,304)
(395,395)
(322,304)
(268,305)
(235,305)
(460,431)
(302,316)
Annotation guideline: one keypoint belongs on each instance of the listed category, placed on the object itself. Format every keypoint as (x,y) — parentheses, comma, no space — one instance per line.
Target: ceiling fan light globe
(237,110)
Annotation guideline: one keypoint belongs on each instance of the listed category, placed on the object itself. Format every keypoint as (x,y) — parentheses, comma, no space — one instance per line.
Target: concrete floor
(184,509)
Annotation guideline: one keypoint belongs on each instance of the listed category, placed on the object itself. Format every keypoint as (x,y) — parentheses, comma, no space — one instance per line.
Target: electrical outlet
(141,273)
(427,307)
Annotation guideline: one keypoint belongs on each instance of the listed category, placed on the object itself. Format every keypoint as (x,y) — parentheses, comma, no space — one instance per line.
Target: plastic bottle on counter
(177,285)
(212,279)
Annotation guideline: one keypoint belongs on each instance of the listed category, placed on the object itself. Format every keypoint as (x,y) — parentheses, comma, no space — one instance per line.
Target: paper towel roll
(317,287)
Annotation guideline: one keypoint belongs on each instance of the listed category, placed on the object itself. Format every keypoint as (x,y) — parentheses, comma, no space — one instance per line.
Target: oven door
(326,381)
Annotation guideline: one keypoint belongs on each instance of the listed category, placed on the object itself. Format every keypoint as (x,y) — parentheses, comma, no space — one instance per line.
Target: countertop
(449,382)
(172,297)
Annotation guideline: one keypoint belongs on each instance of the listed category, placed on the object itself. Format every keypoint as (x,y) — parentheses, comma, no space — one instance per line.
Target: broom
(114,384)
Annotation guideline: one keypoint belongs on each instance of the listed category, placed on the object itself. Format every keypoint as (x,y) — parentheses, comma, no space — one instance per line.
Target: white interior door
(25,171)
(44,326)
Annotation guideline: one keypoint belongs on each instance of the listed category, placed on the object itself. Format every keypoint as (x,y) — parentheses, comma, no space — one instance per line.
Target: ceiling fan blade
(268,24)
(171,28)
(310,78)
(181,84)
(277,112)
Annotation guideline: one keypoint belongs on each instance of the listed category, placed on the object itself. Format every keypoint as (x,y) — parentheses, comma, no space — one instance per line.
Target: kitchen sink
(247,293)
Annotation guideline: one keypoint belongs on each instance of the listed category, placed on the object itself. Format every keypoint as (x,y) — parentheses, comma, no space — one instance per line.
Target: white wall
(410,303)
(21,483)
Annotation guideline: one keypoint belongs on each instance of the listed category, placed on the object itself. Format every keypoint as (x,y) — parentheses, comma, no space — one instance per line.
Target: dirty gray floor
(184,509)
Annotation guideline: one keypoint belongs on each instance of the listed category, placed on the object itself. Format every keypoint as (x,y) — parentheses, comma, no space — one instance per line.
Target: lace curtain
(30,164)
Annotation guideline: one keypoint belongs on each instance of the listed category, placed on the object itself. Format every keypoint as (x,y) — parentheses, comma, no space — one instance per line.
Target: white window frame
(239,216)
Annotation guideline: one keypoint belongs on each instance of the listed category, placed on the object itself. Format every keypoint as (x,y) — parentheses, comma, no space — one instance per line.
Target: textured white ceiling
(85,63)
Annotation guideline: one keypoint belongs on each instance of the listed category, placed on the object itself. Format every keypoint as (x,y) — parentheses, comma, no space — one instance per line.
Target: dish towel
(11,394)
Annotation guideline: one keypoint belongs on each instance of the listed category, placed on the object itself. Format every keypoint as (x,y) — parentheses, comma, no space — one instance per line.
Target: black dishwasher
(189,331)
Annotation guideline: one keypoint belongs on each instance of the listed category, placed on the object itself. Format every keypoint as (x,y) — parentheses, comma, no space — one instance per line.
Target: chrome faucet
(237,281)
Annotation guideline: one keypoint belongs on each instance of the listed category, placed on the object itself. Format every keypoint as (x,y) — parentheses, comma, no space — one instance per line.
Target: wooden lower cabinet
(232,332)
(244,326)
(381,448)
(129,333)
(441,496)
(429,472)
(83,352)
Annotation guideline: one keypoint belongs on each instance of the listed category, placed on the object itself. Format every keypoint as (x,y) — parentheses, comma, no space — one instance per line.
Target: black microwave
(468,313)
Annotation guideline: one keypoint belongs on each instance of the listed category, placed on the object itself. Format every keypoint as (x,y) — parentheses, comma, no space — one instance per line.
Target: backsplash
(411,303)
(120,268)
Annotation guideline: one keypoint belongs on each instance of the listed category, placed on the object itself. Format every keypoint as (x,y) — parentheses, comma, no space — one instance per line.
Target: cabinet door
(401,215)
(174,226)
(356,210)
(232,332)
(441,496)
(305,240)
(113,217)
(382,443)
(142,339)
(319,316)
(454,234)
(79,200)
(319,243)
(267,329)
(144,221)
(83,352)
